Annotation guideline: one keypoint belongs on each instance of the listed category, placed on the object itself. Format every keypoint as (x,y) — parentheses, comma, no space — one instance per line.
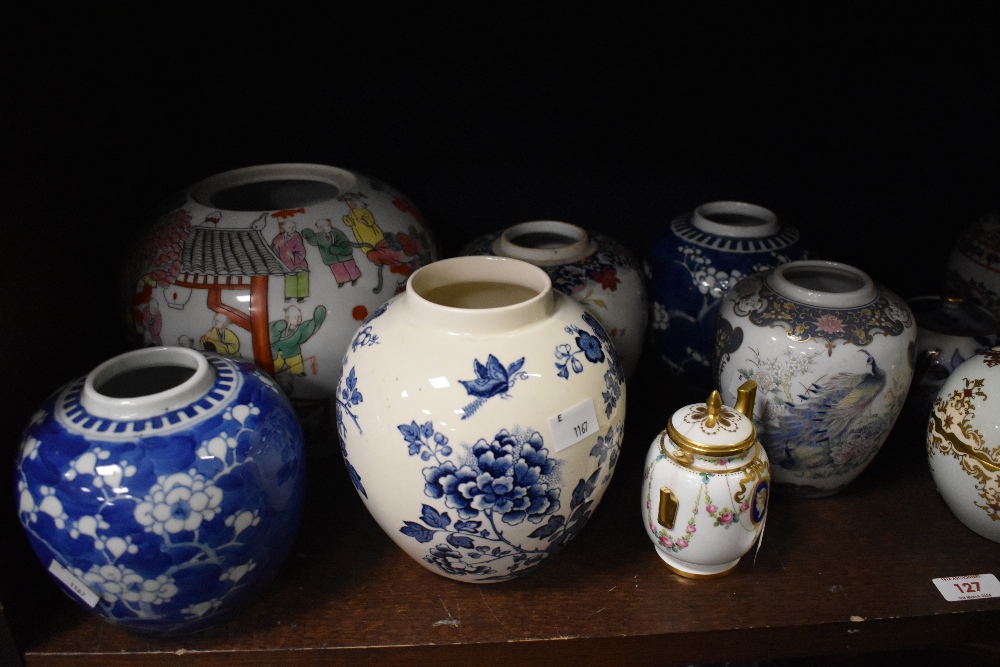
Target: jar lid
(953,315)
(712,429)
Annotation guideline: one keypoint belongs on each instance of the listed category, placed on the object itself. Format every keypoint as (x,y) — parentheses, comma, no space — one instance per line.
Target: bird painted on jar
(832,425)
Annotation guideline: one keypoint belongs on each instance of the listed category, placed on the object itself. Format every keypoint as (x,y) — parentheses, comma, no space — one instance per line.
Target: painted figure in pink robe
(292,253)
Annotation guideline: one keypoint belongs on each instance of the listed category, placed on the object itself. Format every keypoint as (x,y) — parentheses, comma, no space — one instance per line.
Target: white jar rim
(545,242)
(823,283)
(273,186)
(144,404)
(735,219)
(536,301)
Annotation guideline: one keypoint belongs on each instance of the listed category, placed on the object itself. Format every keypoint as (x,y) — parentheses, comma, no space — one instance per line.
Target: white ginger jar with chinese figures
(963,448)
(481,415)
(832,354)
(706,487)
(595,269)
(278,265)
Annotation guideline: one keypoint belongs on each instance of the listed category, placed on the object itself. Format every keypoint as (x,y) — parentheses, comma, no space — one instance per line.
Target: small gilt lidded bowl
(706,486)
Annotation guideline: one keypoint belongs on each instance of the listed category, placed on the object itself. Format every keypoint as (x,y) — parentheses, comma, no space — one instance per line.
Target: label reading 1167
(73,583)
(573,425)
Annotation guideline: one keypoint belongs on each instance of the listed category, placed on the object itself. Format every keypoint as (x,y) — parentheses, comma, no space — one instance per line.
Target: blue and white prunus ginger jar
(595,269)
(832,353)
(691,264)
(163,489)
(481,415)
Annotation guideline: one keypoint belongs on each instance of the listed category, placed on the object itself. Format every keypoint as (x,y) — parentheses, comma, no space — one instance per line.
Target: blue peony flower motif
(505,481)
(509,481)
(591,347)
(456,485)
(501,481)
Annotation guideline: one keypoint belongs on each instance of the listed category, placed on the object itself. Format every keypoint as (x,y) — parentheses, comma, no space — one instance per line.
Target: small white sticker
(969,587)
(74,584)
(571,426)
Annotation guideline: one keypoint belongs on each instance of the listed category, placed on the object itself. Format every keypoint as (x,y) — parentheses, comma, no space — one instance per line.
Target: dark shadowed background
(875,132)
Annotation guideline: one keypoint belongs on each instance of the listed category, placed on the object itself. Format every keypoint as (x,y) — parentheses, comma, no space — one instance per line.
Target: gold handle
(667,513)
(745,397)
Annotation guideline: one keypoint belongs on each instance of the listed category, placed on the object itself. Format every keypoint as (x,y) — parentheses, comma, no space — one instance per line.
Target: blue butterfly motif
(493,379)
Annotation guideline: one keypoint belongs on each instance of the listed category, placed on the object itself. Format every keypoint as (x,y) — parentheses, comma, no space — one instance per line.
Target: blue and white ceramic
(832,353)
(691,264)
(595,269)
(163,489)
(481,416)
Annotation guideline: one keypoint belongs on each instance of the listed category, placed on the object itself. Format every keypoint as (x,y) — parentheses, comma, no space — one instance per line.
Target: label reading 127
(969,587)
(571,426)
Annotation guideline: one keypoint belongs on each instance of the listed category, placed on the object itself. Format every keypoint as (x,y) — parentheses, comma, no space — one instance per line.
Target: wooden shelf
(842,575)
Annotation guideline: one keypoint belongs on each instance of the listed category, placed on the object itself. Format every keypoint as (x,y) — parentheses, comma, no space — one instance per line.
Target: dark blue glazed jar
(693,261)
(163,489)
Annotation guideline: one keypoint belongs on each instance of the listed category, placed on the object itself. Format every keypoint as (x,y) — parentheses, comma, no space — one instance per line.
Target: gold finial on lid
(714,405)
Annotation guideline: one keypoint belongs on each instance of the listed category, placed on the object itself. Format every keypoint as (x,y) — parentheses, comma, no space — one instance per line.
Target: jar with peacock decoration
(831,352)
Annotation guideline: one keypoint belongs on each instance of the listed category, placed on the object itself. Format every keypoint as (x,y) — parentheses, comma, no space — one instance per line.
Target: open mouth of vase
(545,235)
(545,242)
(270,187)
(830,279)
(734,218)
(146,382)
(823,283)
(480,292)
(478,282)
(136,382)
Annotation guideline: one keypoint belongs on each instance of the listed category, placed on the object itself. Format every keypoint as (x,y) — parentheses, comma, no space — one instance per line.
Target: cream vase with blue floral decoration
(481,415)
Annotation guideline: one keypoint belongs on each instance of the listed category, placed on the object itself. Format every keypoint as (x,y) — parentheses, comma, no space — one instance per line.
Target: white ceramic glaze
(973,267)
(963,443)
(481,415)
(706,487)
(276,264)
(950,330)
(832,355)
(596,270)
